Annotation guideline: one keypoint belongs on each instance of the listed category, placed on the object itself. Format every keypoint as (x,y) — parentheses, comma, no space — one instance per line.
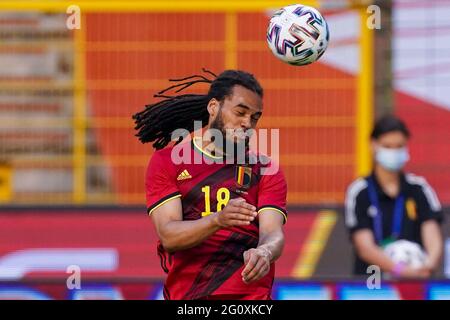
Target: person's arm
(371,253)
(271,242)
(176,234)
(430,216)
(433,243)
(359,224)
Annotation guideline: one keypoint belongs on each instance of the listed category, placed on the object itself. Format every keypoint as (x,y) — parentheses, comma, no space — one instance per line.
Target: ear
(373,145)
(213,107)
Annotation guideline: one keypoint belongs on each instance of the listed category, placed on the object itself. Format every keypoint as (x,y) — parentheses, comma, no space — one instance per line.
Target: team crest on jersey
(411,209)
(243,177)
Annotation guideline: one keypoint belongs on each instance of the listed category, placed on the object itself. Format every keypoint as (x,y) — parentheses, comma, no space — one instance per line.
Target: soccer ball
(298,34)
(406,252)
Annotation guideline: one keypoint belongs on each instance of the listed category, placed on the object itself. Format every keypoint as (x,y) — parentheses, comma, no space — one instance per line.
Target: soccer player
(219,224)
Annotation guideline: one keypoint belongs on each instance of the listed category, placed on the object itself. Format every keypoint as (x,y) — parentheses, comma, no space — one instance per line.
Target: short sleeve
(160,182)
(428,204)
(272,193)
(357,207)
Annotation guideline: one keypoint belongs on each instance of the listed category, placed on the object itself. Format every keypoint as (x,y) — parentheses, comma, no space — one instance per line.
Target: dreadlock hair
(158,120)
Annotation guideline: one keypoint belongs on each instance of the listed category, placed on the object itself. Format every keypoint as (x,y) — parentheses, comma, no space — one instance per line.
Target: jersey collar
(196,144)
(379,190)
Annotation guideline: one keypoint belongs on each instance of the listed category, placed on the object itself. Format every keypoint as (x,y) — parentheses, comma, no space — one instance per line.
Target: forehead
(392,137)
(243,96)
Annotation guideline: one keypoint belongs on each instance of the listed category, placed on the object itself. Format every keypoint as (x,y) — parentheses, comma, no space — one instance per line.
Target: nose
(246,123)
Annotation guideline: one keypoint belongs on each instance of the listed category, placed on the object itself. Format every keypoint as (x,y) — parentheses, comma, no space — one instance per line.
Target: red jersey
(213,267)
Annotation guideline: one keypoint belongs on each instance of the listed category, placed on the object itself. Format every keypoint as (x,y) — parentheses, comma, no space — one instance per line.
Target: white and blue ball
(298,34)
(407,253)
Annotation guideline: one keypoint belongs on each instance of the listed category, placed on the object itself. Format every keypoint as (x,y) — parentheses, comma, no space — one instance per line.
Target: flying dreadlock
(158,120)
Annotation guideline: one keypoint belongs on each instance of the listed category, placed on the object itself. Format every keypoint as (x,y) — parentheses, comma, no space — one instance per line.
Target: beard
(231,143)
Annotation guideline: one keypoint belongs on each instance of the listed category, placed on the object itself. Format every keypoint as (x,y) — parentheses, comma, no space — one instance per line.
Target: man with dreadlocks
(219,223)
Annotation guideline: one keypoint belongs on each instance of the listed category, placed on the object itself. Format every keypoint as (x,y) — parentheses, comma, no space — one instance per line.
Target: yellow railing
(365,103)
(79,118)
(230,40)
(150,5)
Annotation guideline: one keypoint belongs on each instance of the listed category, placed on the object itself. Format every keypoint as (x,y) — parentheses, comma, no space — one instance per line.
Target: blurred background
(72,171)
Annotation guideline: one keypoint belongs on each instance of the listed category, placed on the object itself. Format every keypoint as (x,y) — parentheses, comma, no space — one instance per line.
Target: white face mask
(392,159)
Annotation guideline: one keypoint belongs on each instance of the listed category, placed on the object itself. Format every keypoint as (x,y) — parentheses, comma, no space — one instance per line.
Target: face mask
(392,159)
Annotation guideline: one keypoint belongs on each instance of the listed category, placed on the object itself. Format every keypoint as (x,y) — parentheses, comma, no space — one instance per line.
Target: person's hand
(431,267)
(257,264)
(412,273)
(237,212)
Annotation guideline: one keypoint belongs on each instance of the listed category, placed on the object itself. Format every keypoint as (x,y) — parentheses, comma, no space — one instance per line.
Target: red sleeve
(272,193)
(160,182)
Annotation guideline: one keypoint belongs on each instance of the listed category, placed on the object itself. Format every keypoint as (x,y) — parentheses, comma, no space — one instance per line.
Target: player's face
(238,113)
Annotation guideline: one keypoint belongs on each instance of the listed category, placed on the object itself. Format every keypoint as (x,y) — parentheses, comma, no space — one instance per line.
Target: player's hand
(257,264)
(237,212)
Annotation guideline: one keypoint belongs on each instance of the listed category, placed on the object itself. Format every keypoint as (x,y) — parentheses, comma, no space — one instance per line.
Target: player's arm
(272,214)
(177,234)
(368,250)
(433,243)
(271,242)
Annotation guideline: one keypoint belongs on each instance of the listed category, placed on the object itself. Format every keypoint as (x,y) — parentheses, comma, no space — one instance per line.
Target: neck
(209,146)
(388,180)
